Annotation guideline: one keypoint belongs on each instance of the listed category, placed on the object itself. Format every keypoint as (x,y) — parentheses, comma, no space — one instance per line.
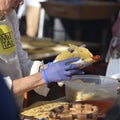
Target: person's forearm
(27,83)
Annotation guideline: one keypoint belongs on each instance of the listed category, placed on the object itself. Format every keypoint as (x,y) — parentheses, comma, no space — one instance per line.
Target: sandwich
(86,57)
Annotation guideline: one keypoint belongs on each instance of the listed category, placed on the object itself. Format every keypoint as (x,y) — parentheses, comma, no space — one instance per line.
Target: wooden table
(81,10)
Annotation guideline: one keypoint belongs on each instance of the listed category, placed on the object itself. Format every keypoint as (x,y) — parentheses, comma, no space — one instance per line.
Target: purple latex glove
(59,71)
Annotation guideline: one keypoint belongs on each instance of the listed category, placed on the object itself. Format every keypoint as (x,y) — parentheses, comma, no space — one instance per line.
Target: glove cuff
(44,76)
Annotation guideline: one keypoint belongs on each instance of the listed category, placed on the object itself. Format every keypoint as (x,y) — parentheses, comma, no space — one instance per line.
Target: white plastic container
(91,87)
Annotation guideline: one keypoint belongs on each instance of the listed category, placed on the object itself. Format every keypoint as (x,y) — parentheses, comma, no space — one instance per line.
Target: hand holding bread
(86,57)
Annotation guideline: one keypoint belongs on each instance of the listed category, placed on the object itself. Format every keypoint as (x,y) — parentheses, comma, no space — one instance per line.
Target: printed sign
(7,43)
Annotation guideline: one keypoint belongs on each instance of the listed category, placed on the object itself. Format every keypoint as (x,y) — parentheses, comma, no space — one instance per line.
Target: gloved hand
(59,71)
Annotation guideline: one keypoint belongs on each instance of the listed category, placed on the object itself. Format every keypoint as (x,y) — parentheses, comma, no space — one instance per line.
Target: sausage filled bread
(74,51)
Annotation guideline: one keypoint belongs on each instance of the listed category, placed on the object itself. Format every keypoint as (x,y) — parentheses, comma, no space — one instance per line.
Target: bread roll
(74,51)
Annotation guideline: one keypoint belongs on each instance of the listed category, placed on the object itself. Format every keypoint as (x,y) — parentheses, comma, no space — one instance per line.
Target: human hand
(60,71)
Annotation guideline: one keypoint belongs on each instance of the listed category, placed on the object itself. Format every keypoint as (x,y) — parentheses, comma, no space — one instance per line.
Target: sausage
(96,57)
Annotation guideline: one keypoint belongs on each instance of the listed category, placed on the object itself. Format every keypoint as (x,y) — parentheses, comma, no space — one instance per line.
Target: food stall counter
(45,48)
